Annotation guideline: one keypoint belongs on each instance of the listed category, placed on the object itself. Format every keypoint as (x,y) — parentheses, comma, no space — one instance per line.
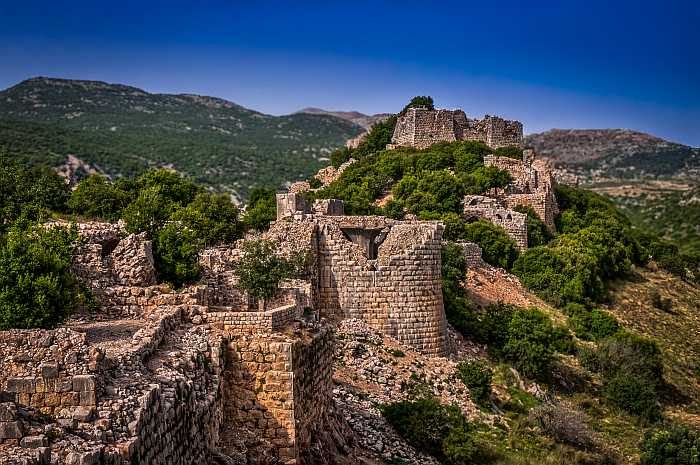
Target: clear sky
(583,64)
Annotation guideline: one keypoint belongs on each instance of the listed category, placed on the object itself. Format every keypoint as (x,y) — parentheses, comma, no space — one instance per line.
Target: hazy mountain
(366,121)
(124,130)
(616,153)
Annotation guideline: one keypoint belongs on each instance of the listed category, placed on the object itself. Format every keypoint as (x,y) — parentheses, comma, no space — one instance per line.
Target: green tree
(262,209)
(419,101)
(537,232)
(675,445)
(211,218)
(477,376)
(176,252)
(30,194)
(261,269)
(497,247)
(96,197)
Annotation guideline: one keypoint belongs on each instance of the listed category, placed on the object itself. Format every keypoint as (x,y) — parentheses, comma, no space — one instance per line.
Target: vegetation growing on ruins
(261,269)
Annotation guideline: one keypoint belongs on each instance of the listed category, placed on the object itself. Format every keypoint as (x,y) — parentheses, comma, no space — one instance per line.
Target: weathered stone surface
(420,127)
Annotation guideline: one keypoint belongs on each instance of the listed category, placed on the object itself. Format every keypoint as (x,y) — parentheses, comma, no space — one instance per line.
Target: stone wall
(399,292)
(514,223)
(290,204)
(532,185)
(472,254)
(279,388)
(49,369)
(421,128)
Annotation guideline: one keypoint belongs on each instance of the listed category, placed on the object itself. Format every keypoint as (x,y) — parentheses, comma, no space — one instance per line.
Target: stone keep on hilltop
(421,127)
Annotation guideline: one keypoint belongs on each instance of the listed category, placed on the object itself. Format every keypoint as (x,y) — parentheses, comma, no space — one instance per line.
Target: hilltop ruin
(209,374)
(421,127)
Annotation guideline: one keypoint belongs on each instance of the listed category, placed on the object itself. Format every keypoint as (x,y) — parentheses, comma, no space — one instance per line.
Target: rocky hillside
(123,131)
(602,154)
(366,121)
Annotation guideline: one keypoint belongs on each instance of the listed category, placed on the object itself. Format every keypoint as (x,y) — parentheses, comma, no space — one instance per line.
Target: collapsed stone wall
(421,127)
(49,370)
(532,185)
(514,223)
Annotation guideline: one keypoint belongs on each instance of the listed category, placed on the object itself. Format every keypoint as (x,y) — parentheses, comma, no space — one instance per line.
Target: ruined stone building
(205,374)
(421,127)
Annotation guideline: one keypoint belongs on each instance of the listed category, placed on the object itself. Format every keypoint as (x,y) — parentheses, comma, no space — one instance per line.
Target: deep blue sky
(584,64)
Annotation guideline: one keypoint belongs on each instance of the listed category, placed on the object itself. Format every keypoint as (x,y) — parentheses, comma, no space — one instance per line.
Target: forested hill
(124,131)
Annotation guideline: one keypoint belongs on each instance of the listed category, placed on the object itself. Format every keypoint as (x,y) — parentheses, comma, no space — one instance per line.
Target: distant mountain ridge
(616,153)
(125,130)
(366,121)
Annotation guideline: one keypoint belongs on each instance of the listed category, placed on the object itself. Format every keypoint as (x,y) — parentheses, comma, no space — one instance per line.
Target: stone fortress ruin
(208,374)
(421,127)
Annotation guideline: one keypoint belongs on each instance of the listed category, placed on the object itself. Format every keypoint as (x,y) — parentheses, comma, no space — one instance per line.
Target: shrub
(524,337)
(458,309)
(96,197)
(591,325)
(564,425)
(511,151)
(633,372)
(37,289)
(212,219)
(657,301)
(633,394)
(531,342)
(477,376)
(537,232)
(497,247)
(439,430)
(676,445)
(175,253)
(29,194)
(262,209)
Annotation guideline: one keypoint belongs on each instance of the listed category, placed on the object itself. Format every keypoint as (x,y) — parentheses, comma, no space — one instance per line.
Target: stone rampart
(279,388)
(421,127)
(532,185)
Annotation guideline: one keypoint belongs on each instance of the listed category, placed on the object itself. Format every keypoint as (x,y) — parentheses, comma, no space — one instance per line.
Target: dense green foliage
(526,338)
(439,430)
(178,216)
(497,248)
(591,324)
(126,131)
(477,376)
(29,194)
(537,231)
(37,289)
(262,209)
(632,372)
(595,244)
(261,269)
(677,445)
